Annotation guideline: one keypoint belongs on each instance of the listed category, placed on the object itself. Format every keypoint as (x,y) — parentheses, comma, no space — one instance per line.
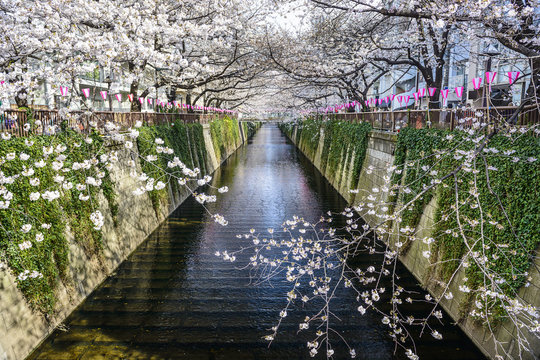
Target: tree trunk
(136,105)
(533,90)
(188,102)
(171,95)
(21,99)
(435,102)
(437,82)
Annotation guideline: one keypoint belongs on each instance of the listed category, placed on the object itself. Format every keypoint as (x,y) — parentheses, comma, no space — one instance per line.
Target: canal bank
(377,155)
(174,299)
(136,217)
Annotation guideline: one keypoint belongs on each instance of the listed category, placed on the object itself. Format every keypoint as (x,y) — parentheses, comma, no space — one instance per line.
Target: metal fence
(24,123)
(441,119)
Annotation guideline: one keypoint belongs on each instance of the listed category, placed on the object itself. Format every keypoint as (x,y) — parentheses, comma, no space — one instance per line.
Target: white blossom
(97,219)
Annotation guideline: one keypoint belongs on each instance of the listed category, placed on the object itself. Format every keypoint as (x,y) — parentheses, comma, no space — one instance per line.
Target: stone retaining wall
(22,329)
(380,154)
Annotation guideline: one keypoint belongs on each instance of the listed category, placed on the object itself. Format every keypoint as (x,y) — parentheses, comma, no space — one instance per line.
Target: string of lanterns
(404,99)
(64,91)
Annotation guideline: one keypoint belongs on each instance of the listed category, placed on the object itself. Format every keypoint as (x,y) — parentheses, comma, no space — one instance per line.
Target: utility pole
(108,81)
(490,52)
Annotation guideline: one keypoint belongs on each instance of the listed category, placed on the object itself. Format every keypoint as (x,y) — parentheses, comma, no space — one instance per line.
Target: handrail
(438,118)
(24,123)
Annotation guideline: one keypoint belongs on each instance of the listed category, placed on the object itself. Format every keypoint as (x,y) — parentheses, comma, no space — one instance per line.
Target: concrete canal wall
(378,155)
(21,328)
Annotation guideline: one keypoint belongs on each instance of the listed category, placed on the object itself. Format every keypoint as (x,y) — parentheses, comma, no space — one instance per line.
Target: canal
(174,299)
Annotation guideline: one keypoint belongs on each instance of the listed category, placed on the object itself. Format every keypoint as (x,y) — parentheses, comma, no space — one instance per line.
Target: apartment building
(463,63)
(48,96)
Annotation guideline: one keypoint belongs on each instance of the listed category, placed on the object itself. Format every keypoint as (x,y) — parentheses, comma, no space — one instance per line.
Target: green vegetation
(507,188)
(340,138)
(50,255)
(198,146)
(225,134)
(505,191)
(250,128)
(186,140)
(415,147)
(344,137)
(308,134)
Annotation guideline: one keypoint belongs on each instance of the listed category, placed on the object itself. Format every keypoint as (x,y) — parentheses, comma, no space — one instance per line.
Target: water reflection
(173,299)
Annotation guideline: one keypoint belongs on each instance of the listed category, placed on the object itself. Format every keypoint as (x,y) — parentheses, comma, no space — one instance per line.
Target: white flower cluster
(26,228)
(176,162)
(205,180)
(159,185)
(97,219)
(90,180)
(25,245)
(86,165)
(51,195)
(164,150)
(225,255)
(191,173)
(26,274)
(220,220)
(203,198)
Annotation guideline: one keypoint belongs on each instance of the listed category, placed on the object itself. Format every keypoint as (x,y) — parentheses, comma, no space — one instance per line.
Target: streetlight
(108,81)
(490,51)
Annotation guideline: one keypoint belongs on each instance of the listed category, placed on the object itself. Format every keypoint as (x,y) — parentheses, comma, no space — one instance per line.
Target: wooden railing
(23,123)
(442,119)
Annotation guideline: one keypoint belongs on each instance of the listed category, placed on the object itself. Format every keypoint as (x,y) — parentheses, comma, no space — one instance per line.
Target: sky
(290,16)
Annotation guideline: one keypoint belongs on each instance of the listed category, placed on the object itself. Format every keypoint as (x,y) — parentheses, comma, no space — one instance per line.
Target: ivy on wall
(308,135)
(415,148)
(250,128)
(186,140)
(340,138)
(288,127)
(503,188)
(345,137)
(197,141)
(225,133)
(49,256)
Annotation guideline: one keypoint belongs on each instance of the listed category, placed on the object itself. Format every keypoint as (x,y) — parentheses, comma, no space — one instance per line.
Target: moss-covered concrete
(21,328)
(379,155)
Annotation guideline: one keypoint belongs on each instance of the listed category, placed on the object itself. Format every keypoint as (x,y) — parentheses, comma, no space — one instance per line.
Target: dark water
(173,299)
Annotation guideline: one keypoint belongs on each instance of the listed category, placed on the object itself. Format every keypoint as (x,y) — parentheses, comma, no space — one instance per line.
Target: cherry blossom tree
(200,46)
(225,51)
(514,24)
